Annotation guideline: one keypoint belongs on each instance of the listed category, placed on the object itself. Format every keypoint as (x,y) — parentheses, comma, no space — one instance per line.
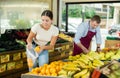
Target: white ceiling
(87,0)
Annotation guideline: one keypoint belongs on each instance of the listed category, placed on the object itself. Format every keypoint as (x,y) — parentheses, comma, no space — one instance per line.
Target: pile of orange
(51,69)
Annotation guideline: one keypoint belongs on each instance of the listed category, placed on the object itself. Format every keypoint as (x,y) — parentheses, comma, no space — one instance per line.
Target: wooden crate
(61,52)
(2,68)
(19,64)
(10,65)
(5,58)
(17,56)
(111,43)
(24,54)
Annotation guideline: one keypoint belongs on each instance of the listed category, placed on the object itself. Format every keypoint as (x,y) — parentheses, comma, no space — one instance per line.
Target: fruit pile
(51,69)
(79,66)
(82,65)
(66,37)
(110,54)
(112,70)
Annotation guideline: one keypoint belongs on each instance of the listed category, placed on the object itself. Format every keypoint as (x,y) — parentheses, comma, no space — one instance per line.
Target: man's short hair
(96,18)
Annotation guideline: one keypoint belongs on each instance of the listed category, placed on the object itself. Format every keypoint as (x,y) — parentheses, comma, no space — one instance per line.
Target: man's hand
(98,49)
(85,50)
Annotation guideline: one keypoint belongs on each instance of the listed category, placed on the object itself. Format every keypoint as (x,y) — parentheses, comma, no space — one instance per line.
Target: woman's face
(46,22)
(94,24)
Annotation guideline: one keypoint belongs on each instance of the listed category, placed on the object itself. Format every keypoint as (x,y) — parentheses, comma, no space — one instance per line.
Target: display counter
(14,63)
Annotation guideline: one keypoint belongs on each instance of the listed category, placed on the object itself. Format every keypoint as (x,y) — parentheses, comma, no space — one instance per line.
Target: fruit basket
(112,70)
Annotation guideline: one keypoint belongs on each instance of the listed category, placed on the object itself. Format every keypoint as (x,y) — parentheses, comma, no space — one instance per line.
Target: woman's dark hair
(47,13)
(96,18)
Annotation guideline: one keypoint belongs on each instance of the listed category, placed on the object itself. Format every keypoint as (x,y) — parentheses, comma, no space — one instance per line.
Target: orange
(54,74)
(37,70)
(60,67)
(52,65)
(33,70)
(37,49)
(48,74)
(52,70)
(45,65)
(40,74)
(49,66)
(57,68)
(43,71)
(40,67)
(61,64)
(47,71)
(35,73)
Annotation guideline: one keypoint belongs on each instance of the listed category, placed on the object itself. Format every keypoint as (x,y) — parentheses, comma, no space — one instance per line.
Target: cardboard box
(111,43)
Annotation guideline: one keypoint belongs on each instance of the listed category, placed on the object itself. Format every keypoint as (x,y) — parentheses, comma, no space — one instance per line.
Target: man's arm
(85,50)
(80,32)
(98,39)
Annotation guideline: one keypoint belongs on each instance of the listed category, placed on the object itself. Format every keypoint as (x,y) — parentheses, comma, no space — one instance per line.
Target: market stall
(13,60)
(91,65)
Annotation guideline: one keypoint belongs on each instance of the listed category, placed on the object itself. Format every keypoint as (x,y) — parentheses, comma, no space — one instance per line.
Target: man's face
(93,24)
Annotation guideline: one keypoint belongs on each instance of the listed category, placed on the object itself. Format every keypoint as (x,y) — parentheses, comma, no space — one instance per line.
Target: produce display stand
(36,76)
(96,67)
(14,63)
(61,51)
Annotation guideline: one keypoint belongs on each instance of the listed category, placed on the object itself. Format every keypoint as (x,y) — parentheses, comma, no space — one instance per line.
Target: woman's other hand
(29,46)
(38,49)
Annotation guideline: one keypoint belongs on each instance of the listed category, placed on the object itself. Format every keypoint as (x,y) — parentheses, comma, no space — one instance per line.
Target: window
(21,14)
(78,12)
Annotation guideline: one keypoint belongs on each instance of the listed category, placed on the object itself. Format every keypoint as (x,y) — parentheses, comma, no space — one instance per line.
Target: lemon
(37,49)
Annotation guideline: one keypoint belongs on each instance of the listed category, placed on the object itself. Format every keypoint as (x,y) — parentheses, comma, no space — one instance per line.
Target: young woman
(41,34)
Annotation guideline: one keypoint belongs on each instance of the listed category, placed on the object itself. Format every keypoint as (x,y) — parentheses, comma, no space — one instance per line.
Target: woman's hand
(42,48)
(29,46)
(39,49)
